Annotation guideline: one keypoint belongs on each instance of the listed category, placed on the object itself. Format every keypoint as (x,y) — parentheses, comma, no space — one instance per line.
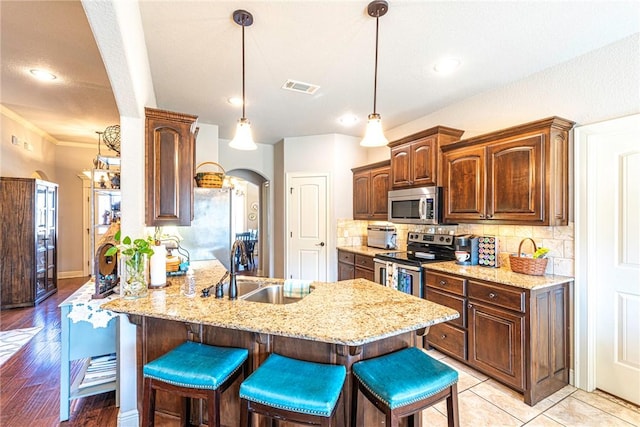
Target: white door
(307,199)
(613,261)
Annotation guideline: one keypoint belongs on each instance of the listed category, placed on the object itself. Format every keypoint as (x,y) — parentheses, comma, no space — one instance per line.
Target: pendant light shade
(244,138)
(374,137)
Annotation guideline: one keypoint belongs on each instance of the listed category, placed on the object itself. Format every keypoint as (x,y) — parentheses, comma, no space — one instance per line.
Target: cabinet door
(361,184)
(515,183)
(401,175)
(379,193)
(464,180)
(423,160)
(345,271)
(496,343)
(170,168)
(51,239)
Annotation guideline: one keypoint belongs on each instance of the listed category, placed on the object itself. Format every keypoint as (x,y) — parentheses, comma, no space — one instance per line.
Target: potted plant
(134,263)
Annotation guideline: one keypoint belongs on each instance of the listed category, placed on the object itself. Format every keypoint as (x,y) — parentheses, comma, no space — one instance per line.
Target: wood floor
(30,380)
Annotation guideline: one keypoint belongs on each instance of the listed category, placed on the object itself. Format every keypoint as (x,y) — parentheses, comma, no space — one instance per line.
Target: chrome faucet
(233,286)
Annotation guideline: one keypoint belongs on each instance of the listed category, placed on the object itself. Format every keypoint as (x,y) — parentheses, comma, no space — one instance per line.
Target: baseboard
(128,418)
(70,274)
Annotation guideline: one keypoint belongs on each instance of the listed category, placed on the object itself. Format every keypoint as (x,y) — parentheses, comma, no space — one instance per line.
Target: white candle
(158,265)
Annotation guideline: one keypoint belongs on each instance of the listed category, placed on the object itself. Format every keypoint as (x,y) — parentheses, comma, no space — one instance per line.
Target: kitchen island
(339,323)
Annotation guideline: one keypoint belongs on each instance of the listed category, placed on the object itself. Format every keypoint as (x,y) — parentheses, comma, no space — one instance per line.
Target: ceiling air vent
(301,87)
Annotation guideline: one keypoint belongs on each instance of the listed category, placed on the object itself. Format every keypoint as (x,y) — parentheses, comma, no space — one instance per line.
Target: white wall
(333,154)
(16,160)
(600,85)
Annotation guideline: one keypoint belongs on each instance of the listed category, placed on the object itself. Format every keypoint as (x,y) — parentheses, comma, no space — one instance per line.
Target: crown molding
(27,124)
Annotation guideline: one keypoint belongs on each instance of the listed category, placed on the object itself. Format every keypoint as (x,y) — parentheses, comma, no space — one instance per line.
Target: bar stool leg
(185,413)
(452,407)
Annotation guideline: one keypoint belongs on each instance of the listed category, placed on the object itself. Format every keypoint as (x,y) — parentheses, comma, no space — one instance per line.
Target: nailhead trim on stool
(194,370)
(404,383)
(294,390)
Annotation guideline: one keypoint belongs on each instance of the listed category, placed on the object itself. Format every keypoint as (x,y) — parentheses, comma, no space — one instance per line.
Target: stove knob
(441,238)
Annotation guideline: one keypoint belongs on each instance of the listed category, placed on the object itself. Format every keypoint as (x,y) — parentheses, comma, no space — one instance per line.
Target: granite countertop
(499,275)
(350,312)
(366,250)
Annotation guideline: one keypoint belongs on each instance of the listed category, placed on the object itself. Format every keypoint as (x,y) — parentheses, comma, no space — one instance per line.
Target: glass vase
(134,277)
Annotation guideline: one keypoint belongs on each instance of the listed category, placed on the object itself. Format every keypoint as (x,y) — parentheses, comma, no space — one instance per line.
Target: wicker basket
(209,179)
(531,266)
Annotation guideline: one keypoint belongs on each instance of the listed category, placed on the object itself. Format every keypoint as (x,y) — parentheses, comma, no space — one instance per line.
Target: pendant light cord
(375,75)
(243,101)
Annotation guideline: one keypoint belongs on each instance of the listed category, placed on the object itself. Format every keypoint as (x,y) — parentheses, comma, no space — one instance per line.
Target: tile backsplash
(559,240)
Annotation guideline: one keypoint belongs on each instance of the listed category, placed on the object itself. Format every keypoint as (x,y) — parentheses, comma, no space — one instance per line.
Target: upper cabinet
(415,158)
(370,188)
(513,176)
(170,167)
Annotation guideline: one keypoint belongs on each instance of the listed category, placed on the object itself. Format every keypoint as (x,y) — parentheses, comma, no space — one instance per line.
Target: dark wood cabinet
(370,191)
(170,167)
(415,158)
(354,266)
(28,241)
(517,336)
(514,176)
(346,267)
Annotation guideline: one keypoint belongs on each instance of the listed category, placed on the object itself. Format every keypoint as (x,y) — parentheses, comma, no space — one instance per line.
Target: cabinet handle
(489,216)
(481,216)
(443,282)
(443,336)
(492,295)
(469,305)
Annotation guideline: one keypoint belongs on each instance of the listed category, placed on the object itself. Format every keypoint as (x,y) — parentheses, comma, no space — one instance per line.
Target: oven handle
(398,264)
(408,267)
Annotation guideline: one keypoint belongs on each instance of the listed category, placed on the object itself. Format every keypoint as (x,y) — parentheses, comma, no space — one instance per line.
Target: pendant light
(373,136)
(243,139)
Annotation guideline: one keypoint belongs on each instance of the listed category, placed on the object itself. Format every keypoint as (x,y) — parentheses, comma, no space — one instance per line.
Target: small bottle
(189,287)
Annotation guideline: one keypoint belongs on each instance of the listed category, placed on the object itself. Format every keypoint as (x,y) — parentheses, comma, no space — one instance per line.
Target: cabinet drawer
(452,301)
(448,338)
(502,296)
(346,257)
(364,261)
(455,285)
(363,273)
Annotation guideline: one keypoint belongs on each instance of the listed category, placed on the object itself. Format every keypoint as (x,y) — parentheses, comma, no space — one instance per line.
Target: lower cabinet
(354,266)
(346,269)
(517,336)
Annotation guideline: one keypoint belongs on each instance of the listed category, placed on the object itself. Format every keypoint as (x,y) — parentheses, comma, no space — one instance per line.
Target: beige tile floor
(485,402)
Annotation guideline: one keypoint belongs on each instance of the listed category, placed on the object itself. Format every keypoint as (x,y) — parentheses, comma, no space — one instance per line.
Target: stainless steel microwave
(415,205)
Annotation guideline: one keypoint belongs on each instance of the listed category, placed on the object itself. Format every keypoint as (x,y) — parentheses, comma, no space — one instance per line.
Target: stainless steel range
(403,270)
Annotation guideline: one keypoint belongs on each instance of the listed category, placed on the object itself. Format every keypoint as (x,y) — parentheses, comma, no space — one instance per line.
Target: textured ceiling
(195,59)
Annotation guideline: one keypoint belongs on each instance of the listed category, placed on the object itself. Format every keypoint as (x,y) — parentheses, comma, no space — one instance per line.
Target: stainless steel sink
(244,287)
(272,294)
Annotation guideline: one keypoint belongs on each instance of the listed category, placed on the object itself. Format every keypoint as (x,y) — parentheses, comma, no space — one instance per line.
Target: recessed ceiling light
(348,119)
(447,65)
(43,75)
(235,101)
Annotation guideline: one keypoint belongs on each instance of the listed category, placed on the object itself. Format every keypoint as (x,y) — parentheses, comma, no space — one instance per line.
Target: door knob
(320,244)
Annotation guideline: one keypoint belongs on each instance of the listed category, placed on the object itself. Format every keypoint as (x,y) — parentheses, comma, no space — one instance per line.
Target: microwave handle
(422,207)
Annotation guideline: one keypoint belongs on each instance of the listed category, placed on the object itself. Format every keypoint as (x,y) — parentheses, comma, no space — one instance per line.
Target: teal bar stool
(286,389)
(404,383)
(194,370)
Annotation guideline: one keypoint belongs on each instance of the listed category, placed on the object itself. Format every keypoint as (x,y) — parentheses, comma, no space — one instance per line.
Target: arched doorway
(251,201)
